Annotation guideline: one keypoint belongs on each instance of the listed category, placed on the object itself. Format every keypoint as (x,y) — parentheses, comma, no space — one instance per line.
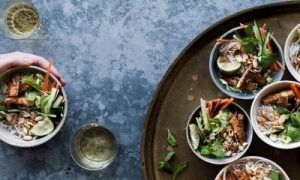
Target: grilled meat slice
(256,77)
(244,76)
(24,87)
(238,126)
(13,85)
(279,98)
(249,86)
(241,175)
(18,100)
(232,81)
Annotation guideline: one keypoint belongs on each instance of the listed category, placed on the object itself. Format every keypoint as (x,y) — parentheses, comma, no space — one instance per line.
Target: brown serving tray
(188,78)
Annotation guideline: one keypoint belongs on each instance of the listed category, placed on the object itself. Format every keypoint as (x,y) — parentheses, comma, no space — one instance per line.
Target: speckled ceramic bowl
(288,42)
(7,137)
(215,72)
(222,173)
(220,161)
(272,88)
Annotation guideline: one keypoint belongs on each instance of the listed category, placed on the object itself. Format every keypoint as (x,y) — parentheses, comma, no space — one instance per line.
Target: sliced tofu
(238,126)
(280,98)
(18,100)
(13,86)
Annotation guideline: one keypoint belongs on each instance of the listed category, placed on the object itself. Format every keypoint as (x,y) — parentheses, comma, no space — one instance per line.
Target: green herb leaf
(295,119)
(165,166)
(250,45)
(171,139)
(31,95)
(169,156)
(275,175)
(293,132)
(282,110)
(179,168)
(218,153)
(213,149)
(266,60)
(33,82)
(249,31)
(206,150)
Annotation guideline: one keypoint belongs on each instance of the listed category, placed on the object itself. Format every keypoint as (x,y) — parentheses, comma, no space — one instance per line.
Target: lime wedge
(194,133)
(228,67)
(43,127)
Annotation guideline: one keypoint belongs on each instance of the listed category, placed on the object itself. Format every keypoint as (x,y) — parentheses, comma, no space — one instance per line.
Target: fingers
(25,59)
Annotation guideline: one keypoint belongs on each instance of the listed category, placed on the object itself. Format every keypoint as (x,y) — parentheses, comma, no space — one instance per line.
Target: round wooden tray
(188,79)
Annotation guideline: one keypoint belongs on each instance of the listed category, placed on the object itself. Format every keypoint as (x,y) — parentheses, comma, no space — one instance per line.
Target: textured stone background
(112,54)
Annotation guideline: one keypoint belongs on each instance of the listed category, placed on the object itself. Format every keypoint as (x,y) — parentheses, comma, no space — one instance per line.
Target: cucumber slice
(194,133)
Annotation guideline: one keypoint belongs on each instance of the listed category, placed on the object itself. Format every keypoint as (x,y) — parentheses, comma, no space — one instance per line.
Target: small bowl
(95,137)
(222,173)
(214,71)
(288,42)
(271,88)
(221,161)
(10,139)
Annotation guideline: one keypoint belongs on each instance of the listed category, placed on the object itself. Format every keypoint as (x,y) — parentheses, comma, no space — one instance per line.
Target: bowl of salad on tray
(252,167)
(33,106)
(292,52)
(275,115)
(245,59)
(218,131)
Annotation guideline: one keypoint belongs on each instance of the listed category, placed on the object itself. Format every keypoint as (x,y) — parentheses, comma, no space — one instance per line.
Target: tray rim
(156,95)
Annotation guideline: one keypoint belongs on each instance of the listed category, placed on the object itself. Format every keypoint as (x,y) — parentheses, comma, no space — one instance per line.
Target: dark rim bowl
(226,160)
(214,71)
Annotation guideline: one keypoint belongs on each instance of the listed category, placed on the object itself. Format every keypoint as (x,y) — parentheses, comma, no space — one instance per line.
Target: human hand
(19,59)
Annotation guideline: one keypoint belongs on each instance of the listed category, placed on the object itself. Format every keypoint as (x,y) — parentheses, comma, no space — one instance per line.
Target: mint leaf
(266,60)
(169,155)
(171,139)
(282,110)
(164,164)
(179,168)
(293,132)
(275,175)
(295,119)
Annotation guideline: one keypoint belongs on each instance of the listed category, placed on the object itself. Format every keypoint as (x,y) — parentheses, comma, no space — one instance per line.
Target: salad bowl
(261,166)
(232,78)
(216,151)
(291,52)
(43,129)
(274,115)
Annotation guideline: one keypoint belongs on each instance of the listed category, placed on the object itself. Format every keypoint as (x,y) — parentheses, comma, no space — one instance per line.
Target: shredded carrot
(294,88)
(226,103)
(244,26)
(217,103)
(221,41)
(280,65)
(46,82)
(274,67)
(210,106)
(269,46)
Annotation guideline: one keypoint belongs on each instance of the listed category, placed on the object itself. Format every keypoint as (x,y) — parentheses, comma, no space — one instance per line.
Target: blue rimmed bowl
(215,72)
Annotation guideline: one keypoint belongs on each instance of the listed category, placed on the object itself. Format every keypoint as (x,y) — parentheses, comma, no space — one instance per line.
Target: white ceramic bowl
(7,137)
(222,173)
(287,45)
(272,88)
(226,160)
